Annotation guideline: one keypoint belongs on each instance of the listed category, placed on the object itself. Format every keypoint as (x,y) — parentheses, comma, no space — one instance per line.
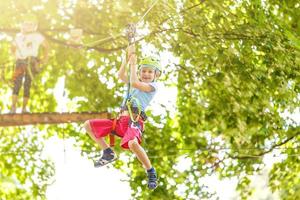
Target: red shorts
(103,127)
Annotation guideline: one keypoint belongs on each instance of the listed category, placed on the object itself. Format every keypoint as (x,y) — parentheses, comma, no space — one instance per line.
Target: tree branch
(265,152)
(80,46)
(96,47)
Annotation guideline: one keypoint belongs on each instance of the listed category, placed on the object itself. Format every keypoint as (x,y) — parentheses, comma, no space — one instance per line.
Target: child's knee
(133,143)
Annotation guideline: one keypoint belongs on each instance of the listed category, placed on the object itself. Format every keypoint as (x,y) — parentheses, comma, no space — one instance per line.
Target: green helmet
(150,62)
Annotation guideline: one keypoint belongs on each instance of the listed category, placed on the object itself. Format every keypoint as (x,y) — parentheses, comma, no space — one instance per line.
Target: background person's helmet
(150,62)
(29,23)
(30,18)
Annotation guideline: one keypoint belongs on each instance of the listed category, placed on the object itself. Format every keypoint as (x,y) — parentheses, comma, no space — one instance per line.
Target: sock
(151,170)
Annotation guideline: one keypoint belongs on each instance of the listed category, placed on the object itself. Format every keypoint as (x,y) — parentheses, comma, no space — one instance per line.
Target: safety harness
(28,61)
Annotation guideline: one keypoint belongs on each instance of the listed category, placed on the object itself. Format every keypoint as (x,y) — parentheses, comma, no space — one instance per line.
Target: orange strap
(111,135)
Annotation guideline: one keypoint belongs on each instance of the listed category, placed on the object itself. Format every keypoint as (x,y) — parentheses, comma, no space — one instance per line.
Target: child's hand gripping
(132,60)
(130,50)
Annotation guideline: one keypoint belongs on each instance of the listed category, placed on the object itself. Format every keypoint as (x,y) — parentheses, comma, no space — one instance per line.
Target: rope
(131,31)
(146,12)
(128,75)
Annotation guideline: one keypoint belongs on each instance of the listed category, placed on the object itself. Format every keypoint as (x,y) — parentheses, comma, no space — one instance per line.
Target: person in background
(25,48)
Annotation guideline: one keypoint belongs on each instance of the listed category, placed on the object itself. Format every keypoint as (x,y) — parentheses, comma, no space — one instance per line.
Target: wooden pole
(49,118)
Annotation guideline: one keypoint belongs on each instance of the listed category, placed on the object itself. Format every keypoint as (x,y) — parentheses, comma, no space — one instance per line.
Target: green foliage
(238,71)
(25,172)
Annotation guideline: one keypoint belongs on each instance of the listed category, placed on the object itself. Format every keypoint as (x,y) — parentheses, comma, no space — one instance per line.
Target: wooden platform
(49,118)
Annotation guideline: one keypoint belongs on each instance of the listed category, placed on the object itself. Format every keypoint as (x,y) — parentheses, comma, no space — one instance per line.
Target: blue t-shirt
(144,98)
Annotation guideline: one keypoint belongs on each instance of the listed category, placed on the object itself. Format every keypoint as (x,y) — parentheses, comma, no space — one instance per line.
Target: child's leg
(100,141)
(17,79)
(14,103)
(140,153)
(27,86)
(108,155)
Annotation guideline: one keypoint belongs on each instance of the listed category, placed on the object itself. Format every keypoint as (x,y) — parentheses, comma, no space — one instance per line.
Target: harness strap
(29,67)
(129,105)
(111,135)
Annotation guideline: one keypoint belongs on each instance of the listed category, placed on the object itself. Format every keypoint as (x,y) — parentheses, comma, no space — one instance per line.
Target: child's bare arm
(145,87)
(45,46)
(122,74)
(13,48)
(122,71)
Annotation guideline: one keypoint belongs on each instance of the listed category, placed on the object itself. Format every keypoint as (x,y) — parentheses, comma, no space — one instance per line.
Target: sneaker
(152,179)
(107,157)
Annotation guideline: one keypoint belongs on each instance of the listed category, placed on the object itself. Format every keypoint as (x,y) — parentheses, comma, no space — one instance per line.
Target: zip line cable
(146,12)
(92,44)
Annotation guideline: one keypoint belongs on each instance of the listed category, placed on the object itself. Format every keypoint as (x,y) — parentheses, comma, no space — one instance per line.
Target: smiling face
(147,74)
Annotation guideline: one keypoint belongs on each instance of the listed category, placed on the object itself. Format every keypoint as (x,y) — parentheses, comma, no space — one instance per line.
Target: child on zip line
(25,47)
(130,123)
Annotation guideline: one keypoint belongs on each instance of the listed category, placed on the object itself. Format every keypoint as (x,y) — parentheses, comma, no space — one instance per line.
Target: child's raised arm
(122,71)
(13,48)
